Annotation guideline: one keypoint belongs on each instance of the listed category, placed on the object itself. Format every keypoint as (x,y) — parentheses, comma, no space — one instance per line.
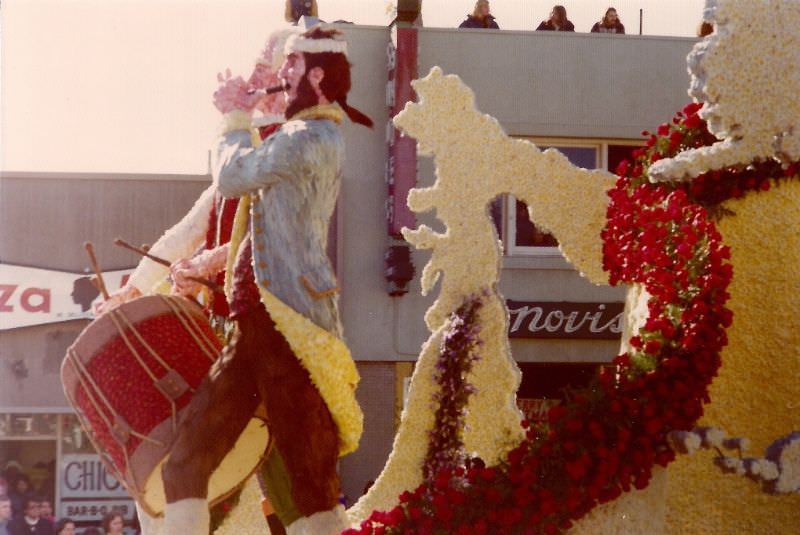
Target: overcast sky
(125,85)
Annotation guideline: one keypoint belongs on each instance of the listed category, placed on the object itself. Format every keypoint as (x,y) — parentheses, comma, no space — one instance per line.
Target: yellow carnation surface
(757,393)
(247,518)
(327,360)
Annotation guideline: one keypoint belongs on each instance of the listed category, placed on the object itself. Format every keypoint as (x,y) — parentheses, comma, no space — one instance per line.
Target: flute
(270,90)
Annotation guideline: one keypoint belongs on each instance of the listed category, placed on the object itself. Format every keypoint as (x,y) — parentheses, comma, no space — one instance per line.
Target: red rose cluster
(607,438)
(688,131)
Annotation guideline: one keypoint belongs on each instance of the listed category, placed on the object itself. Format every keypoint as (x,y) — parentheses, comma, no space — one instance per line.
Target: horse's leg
(222,406)
(148,524)
(301,425)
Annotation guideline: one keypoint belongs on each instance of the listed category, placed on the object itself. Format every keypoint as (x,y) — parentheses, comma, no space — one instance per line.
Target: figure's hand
(180,272)
(234,94)
(127,293)
(206,265)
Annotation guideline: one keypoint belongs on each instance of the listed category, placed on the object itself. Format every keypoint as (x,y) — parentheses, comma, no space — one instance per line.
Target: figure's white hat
(301,43)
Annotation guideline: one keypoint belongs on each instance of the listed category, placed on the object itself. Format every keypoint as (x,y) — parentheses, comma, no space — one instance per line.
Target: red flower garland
(608,437)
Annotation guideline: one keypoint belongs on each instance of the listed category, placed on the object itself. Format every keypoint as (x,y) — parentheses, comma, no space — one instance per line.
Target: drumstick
(206,282)
(142,251)
(96,268)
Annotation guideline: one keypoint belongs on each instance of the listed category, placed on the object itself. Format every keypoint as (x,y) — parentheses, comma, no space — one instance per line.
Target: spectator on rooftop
(609,24)
(558,21)
(296,9)
(481,17)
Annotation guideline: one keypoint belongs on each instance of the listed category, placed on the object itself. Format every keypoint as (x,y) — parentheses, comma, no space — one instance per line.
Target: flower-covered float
(706,261)
(463,463)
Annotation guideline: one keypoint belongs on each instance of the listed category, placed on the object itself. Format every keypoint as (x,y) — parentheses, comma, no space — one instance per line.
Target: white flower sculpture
(747,74)
(447,125)
(778,470)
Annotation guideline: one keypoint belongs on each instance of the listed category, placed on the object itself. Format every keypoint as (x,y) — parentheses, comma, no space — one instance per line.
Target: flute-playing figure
(287,354)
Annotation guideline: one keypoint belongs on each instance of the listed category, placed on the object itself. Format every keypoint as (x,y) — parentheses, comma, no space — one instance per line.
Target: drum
(130,376)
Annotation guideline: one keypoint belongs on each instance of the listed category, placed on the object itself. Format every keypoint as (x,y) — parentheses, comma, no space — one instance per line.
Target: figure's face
(33,510)
(483,9)
(69,529)
(611,15)
(291,72)
(116,525)
(5,510)
(22,486)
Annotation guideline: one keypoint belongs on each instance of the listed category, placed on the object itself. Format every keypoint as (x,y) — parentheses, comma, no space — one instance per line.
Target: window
(520,236)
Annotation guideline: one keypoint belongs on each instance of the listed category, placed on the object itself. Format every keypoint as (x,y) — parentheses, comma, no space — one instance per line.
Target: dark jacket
(548,26)
(599,28)
(473,22)
(18,526)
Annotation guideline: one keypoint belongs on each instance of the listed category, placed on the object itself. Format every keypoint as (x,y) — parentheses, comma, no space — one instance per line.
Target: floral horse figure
(571,204)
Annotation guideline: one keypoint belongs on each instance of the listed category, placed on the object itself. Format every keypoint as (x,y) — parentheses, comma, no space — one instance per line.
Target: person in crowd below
(609,24)
(31,523)
(20,491)
(481,17)
(65,526)
(558,21)
(296,9)
(5,514)
(47,510)
(113,523)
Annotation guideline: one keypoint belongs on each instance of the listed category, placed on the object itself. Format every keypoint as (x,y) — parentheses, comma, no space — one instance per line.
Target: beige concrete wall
(565,84)
(45,218)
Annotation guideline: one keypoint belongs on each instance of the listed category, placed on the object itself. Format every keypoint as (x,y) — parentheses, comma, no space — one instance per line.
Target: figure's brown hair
(336,83)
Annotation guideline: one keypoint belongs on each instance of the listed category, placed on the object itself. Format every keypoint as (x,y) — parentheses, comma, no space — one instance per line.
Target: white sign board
(94,510)
(32,296)
(83,475)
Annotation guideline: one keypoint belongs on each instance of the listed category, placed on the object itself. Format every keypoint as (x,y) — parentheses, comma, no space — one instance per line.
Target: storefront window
(57,462)
(519,234)
(545,385)
(26,425)
(28,455)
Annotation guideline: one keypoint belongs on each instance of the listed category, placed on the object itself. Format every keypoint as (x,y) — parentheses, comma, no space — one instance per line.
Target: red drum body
(131,374)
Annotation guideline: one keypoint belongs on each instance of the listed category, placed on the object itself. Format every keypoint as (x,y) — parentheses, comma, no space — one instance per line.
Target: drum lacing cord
(89,430)
(83,377)
(131,488)
(202,340)
(117,316)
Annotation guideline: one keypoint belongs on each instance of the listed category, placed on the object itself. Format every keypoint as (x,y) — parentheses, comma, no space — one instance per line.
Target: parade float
(701,226)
